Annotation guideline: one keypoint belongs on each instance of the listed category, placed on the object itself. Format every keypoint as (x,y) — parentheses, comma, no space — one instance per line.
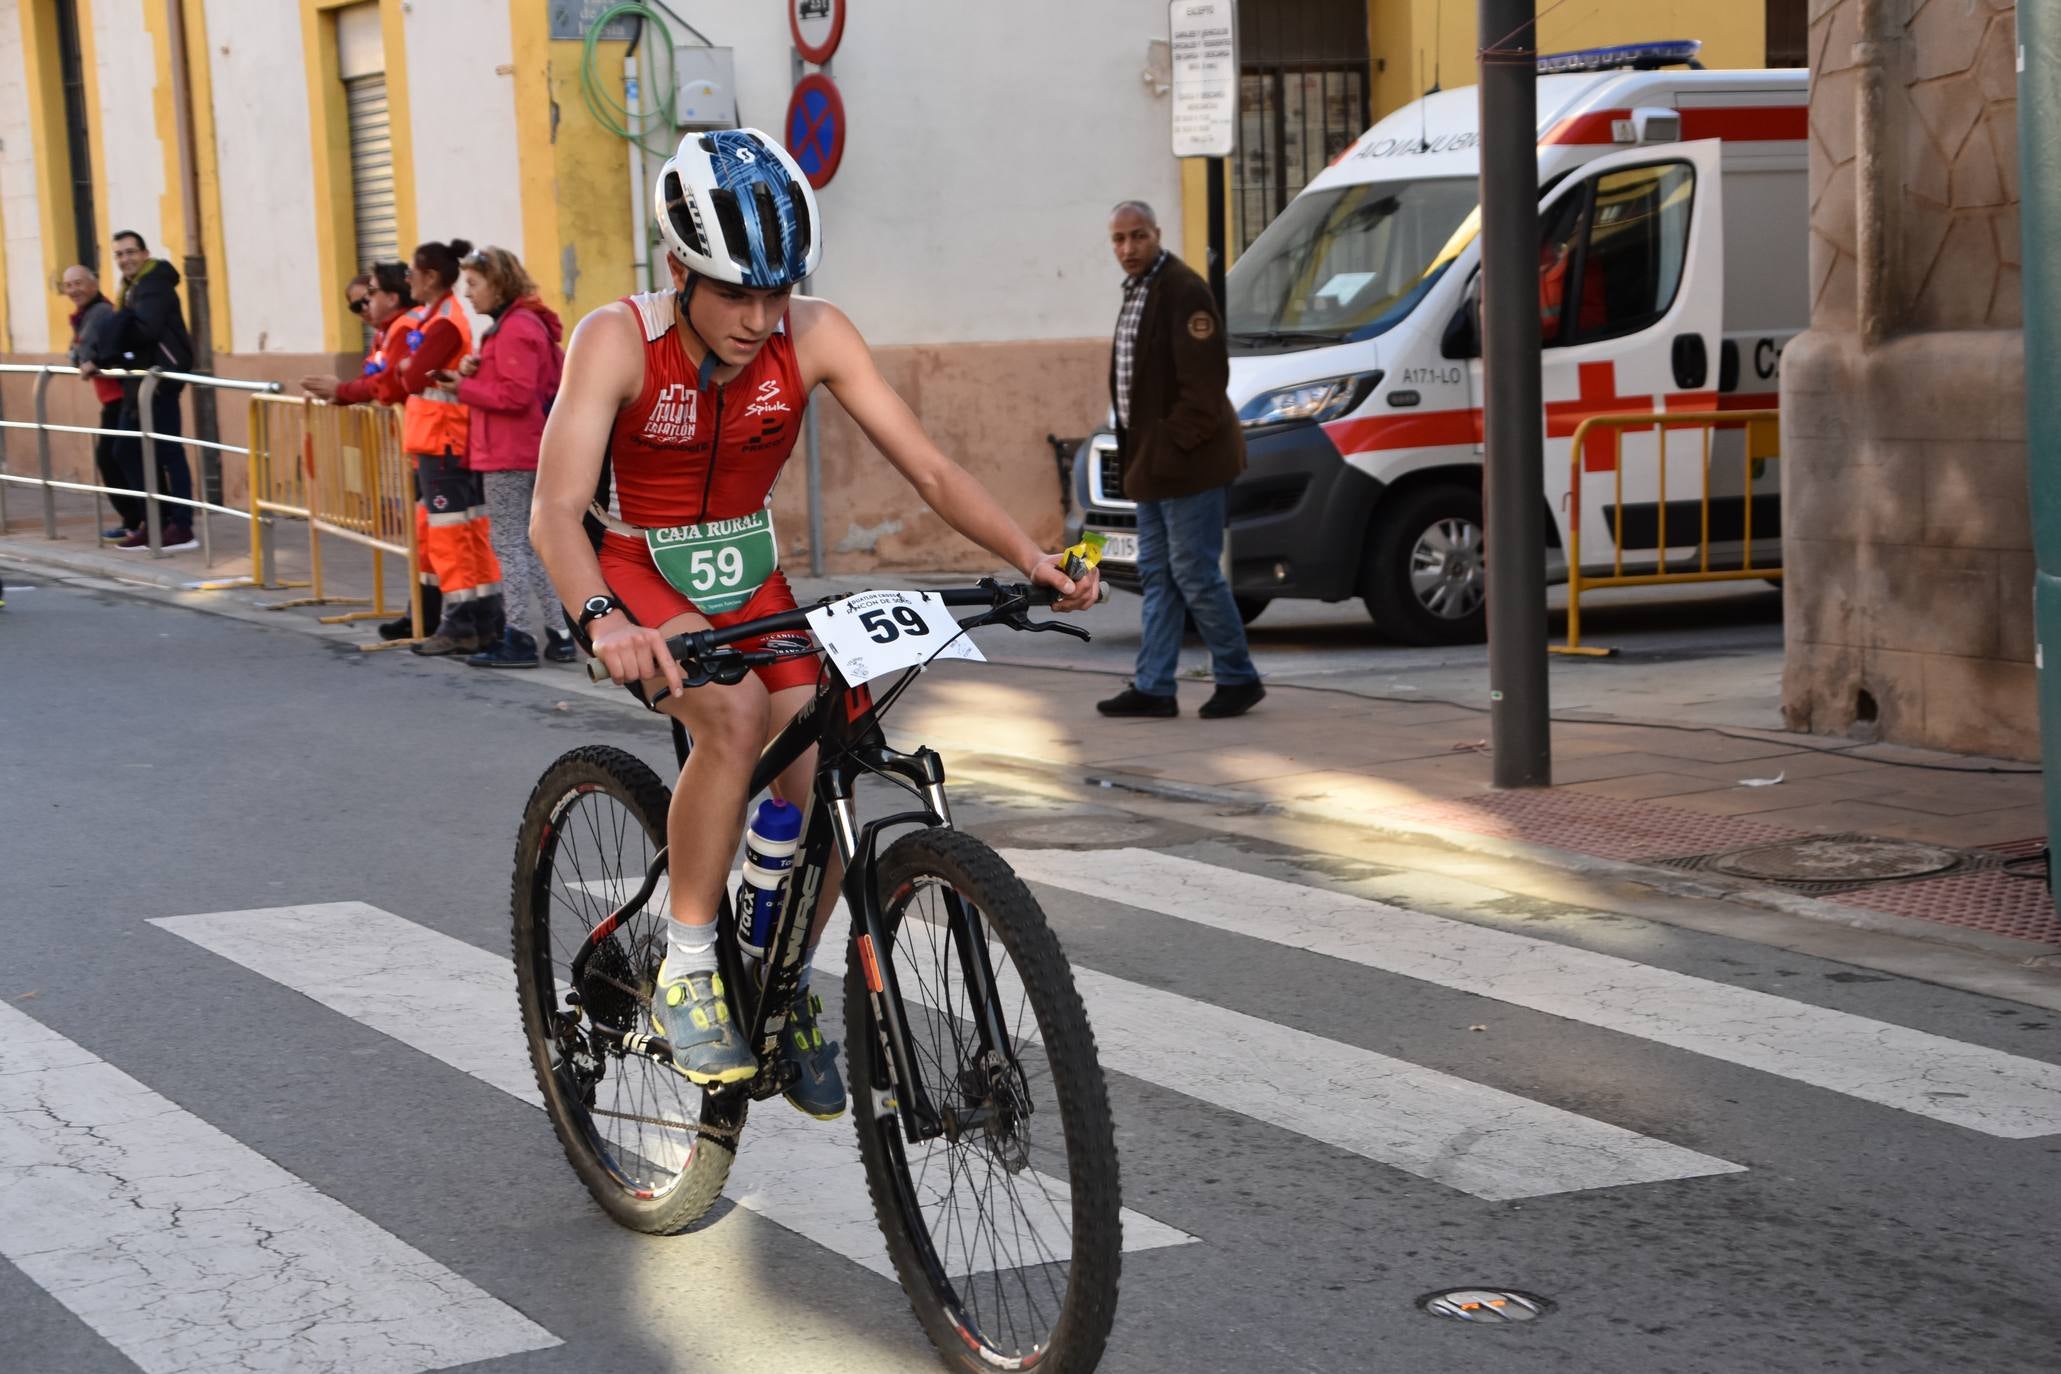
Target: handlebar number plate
(876,633)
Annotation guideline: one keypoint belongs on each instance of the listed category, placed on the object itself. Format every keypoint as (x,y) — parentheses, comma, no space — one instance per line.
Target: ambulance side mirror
(1462,338)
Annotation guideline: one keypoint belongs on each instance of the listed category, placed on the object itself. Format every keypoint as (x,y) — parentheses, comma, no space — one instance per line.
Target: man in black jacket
(1181,447)
(149,330)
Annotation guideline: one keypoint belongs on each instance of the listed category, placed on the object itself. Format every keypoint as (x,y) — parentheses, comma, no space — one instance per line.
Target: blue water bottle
(769,846)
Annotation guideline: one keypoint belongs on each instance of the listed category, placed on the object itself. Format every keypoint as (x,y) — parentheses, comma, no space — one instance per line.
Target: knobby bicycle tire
(929,1238)
(558,818)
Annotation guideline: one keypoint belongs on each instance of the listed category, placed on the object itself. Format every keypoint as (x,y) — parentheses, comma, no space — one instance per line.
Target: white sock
(689,949)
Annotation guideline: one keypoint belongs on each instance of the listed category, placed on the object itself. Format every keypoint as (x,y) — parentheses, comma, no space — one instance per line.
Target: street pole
(1216,229)
(1514,493)
(2039,102)
(206,427)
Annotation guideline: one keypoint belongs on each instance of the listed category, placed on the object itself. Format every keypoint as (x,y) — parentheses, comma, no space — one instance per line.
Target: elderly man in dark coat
(1181,446)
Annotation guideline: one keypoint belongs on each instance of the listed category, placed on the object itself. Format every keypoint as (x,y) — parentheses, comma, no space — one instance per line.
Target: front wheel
(1425,578)
(1004,1230)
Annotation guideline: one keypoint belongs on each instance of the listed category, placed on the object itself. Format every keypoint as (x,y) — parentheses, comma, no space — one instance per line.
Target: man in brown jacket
(1181,446)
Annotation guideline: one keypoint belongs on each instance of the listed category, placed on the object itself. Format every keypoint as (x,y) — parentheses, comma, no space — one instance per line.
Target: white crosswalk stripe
(456,1002)
(187,1250)
(1477,1139)
(1947,1080)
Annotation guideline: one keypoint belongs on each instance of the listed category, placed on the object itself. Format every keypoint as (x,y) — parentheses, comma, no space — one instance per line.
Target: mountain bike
(982,1115)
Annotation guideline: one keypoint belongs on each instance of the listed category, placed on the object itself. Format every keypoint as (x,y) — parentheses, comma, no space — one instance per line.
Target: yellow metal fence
(1600,438)
(342,470)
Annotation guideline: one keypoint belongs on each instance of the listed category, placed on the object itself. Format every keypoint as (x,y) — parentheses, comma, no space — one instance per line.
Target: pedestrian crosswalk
(186,1249)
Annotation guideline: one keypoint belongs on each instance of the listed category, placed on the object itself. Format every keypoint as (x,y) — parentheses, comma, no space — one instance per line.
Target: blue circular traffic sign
(815,128)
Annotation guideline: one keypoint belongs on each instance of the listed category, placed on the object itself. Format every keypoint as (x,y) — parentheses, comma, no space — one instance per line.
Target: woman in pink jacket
(509,385)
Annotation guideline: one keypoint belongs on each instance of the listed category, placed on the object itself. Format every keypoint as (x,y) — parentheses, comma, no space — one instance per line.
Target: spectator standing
(451,510)
(149,330)
(385,304)
(1181,446)
(508,386)
(92,316)
(358,300)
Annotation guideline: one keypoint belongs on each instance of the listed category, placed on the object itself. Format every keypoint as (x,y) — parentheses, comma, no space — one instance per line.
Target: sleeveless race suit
(682,455)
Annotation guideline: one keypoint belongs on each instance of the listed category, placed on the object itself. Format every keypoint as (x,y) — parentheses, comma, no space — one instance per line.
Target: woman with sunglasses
(384,304)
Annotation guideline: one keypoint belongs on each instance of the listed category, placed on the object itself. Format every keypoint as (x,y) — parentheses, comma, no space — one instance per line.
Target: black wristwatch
(595,607)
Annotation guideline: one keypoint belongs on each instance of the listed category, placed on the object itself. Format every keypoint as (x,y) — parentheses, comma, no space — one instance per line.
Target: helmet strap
(709,361)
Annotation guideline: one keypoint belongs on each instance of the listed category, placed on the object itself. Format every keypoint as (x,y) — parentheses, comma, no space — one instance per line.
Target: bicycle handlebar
(694,644)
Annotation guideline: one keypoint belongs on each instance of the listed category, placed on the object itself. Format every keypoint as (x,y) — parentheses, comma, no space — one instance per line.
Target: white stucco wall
(263,146)
(988,143)
(134,183)
(30,280)
(468,180)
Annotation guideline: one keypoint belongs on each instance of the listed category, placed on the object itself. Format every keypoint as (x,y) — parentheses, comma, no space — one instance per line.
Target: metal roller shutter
(372,169)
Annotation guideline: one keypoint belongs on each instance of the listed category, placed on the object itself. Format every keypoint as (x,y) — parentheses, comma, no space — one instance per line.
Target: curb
(1669,881)
(94,572)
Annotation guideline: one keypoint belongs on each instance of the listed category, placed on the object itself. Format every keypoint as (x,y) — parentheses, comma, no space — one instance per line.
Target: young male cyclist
(695,396)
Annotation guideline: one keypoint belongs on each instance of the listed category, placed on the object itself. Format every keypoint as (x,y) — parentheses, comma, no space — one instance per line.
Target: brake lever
(1061,626)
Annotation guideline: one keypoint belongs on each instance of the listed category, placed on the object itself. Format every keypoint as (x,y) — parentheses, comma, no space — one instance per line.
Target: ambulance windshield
(1347,263)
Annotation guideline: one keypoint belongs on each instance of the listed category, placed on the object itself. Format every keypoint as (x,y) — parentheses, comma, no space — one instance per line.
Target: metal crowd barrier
(341,469)
(1763,445)
(152,498)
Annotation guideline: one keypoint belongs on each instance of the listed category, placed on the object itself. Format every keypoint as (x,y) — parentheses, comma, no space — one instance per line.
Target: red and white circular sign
(817,26)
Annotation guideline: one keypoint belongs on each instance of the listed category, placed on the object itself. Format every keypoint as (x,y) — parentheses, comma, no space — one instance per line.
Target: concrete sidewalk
(1665,759)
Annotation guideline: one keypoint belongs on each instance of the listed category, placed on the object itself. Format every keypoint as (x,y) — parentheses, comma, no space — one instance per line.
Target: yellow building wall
(576,227)
(1442,34)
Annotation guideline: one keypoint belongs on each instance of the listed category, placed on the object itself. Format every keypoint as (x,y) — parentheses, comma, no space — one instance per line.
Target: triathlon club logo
(672,416)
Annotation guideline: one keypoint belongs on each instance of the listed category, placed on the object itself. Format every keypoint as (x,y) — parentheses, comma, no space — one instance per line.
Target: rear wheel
(1004,1230)
(1425,578)
(650,1146)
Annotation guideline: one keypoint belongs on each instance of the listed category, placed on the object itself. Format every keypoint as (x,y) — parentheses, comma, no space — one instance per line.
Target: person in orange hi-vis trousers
(450,513)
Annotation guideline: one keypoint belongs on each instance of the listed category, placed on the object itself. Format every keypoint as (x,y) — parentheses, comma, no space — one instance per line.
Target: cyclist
(695,398)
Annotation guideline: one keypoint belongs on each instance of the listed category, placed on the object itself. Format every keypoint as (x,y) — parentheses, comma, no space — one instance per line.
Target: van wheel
(1249,607)
(1425,578)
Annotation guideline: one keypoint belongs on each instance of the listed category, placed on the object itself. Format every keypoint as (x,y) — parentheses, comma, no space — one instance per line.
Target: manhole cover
(1488,1306)
(1836,859)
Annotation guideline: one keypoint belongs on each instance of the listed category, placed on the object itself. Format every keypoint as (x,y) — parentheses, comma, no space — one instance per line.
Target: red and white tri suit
(683,455)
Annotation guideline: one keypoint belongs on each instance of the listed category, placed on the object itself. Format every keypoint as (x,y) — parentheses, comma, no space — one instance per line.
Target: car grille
(1106,476)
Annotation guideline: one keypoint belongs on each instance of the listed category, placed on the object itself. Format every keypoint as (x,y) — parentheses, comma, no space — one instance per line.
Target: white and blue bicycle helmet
(733,206)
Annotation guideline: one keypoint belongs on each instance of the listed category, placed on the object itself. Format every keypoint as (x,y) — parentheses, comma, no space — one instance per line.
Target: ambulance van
(1673,211)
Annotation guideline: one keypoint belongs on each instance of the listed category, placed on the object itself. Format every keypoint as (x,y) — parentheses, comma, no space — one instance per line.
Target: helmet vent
(686,221)
(769,224)
(804,232)
(730,222)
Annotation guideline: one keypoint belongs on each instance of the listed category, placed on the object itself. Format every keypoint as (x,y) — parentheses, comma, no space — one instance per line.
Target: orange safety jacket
(439,335)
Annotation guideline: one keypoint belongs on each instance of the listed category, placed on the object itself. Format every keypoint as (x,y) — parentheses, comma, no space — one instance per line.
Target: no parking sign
(815,128)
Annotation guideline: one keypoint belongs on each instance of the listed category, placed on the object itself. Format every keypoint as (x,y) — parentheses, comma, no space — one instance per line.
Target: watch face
(598,605)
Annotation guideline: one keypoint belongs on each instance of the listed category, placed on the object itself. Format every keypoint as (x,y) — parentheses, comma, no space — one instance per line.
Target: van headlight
(1314,402)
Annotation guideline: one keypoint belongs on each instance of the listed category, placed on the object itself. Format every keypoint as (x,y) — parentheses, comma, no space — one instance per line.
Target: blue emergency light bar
(1643,57)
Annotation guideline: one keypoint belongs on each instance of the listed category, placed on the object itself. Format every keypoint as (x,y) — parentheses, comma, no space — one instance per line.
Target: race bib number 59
(717,565)
(875,633)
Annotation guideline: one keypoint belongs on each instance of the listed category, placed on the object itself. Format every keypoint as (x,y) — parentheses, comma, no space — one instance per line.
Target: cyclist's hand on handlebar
(632,653)
(1074,594)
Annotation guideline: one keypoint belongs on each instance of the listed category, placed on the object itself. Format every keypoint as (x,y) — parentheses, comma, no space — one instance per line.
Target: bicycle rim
(1009,1224)
(635,1129)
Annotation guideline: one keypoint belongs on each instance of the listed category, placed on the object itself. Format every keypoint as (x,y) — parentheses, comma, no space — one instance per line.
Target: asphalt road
(1710,1155)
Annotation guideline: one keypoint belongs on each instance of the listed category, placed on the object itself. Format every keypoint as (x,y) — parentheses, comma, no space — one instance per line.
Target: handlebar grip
(597,671)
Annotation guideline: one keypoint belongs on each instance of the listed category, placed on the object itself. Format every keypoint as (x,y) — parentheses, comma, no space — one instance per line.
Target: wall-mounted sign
(815,128)
(570,19)
(1204,39)
(817,26)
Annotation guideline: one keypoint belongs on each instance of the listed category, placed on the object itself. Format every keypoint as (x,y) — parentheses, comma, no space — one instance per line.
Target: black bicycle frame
(842,721)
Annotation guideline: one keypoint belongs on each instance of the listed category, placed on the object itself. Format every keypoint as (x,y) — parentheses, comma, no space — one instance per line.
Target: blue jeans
(1179,543)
